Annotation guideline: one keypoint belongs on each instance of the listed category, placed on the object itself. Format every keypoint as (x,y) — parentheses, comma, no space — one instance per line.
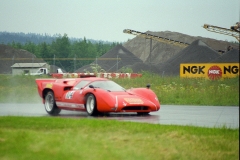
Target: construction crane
(236,27)
(233,31)
(158,38)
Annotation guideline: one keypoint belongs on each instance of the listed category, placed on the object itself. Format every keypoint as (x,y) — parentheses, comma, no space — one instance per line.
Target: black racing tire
(50,104)
(91,105)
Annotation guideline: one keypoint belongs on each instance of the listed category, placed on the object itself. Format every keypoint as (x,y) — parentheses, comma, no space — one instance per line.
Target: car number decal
(69,95)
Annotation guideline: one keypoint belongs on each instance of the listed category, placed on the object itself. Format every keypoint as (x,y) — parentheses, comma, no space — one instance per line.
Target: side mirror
(148,86)
(90,86)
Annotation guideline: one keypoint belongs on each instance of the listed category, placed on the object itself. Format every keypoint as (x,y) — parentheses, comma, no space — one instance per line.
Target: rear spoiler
(40,81)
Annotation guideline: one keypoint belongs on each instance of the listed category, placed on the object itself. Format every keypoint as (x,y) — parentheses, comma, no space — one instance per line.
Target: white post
(117,63)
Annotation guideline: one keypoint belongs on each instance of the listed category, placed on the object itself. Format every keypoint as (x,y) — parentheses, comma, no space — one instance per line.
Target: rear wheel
(50,104)
(91,105)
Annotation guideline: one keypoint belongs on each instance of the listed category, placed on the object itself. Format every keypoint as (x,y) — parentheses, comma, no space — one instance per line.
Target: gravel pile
(111,64)
(197,52)
(231,56)
(161,52)
(9,56)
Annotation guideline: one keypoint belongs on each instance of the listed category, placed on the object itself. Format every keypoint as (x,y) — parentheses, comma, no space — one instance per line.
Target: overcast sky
(106,19)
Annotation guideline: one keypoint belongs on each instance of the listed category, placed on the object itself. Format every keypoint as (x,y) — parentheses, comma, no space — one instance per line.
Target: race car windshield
(81,84)
(108,85)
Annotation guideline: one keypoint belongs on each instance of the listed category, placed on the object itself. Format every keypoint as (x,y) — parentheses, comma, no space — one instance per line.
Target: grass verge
(170,90)
(66,138)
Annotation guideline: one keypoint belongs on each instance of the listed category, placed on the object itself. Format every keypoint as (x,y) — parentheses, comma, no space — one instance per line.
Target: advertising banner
(209,70)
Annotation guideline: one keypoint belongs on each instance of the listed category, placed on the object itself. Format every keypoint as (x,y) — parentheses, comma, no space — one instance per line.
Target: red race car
(94,95)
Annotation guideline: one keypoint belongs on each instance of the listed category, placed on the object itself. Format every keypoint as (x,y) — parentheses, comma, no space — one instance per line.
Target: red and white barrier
(102,75)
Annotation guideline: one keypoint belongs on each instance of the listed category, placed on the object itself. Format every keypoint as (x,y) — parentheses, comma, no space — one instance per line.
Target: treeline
(22,38)
(62,47)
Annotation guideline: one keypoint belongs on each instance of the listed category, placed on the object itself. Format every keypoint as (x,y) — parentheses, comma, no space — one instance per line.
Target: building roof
(28,65)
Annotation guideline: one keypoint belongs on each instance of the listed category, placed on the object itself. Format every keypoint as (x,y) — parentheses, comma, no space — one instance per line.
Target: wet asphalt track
(204,116)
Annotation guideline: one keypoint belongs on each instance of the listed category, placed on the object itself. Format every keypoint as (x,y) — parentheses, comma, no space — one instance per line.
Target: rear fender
(43,84)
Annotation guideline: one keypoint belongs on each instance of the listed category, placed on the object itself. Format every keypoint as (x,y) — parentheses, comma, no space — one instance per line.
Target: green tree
(61,49)
(44,52)
(16,45)
(30,47)
(83,49)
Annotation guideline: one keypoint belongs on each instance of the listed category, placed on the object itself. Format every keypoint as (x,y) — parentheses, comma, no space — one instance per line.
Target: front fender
(144,92)
(105,101)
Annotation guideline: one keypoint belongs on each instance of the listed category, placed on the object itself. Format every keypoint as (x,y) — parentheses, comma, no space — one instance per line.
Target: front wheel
(50,104)
(91,105)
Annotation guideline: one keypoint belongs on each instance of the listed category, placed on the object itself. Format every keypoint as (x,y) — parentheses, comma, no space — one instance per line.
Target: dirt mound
(169,63)
(161,52)
(110,62)
(197,52)
(139,67)
(9,56)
